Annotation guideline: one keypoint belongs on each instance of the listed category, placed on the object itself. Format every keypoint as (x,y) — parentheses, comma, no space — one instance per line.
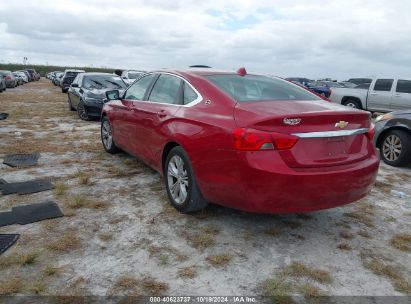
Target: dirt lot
(120,235)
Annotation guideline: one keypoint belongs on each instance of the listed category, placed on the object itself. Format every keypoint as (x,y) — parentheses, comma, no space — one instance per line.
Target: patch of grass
(126,283)
(402,242)
(37,287)
(278,290)
(97,205)
(310,291)
(201,241)
(380,267)
(272,231)
(105,237)
(77,201)
(390,219)
(10,287)
(69,212)
(187,272)
(151,286)
(361,218)
(163,259)
(212,229)
(346,235)
(19,259)
(83,178)
(364,234)
(50,270)
(344,246)
(383,186)
(219,260)
(60,188)
(68,241)
(298,269)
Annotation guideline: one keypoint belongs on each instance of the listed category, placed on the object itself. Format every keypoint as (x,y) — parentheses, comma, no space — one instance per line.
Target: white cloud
(289,38)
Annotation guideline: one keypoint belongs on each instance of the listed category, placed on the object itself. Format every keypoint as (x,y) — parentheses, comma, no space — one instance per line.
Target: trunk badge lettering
(341,124)
(291,121)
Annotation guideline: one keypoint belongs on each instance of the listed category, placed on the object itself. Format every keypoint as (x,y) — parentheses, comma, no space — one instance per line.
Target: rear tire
(395,148)
(180,182)
(352,104)
(106,133)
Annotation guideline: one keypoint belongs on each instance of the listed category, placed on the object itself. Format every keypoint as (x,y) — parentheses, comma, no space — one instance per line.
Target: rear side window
(260,88)
(139,88)
(167,89)
(404,86)
(383,85)
(189,94)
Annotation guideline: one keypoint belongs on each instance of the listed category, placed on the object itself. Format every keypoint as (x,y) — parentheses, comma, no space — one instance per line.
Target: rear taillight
(255,140)
(8,78)
(371,132)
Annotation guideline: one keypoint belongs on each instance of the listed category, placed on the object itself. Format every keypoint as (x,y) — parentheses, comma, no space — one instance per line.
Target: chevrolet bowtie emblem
(341,124)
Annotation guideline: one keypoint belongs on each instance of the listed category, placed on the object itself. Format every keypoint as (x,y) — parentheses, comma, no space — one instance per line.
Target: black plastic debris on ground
(4,115)
(26,187)
(7,240)
(21,160)
(27,214)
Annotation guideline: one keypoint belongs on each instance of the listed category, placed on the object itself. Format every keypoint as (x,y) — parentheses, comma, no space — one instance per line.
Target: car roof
(99,74)
(199,72)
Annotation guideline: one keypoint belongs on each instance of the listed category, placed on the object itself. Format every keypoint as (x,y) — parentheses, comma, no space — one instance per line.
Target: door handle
(397,95)
(162,114)
(373,93)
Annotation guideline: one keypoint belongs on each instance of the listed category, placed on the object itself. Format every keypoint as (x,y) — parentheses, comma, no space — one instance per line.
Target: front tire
(181,184)
(82,111)
(107,136)
(352,104)
(395,148)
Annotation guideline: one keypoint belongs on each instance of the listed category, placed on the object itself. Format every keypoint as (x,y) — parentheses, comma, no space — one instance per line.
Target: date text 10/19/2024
(198,299)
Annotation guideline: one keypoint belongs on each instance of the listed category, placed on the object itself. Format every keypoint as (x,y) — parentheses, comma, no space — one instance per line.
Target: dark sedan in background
(87,93)
(393,137)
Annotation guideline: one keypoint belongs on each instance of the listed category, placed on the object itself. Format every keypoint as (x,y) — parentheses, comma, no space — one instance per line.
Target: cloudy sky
(315,38)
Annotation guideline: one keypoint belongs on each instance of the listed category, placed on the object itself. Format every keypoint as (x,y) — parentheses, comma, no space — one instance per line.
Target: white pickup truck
(383,95)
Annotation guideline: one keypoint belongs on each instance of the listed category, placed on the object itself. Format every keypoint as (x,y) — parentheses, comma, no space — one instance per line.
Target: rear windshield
(258,88)
(103,82)
(71,74)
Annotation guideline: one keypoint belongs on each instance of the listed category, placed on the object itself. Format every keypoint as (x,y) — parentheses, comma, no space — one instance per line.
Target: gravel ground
(120,236)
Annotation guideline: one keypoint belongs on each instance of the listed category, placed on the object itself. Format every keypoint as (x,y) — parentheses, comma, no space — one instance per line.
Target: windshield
(103,82)
(259,88)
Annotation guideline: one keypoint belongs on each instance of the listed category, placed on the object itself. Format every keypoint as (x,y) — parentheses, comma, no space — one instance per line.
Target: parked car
(2,83)
(18,77)
(22,75)
(129,76)
(11,81)
(393,137)
(57,78)
(68,78)
(320,88)
(250,142)
(33,74)
(86,94)
(27,75)
(358,81)
(384,95)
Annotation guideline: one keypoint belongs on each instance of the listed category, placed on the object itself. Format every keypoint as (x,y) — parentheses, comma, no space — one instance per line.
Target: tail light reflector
(255,140)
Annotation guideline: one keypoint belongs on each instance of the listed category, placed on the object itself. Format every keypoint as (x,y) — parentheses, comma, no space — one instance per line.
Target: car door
(74,92)
(125,116)
(153,115)
(401,99)
(379,96)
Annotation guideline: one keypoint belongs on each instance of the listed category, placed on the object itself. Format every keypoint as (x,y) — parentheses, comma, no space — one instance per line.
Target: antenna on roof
(242,71)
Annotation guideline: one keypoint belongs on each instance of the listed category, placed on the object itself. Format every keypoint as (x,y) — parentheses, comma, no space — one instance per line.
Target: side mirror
(113,95)
(74,85)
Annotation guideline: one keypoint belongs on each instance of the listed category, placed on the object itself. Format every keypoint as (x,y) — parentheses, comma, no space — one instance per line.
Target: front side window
(383,85)
(260,88)
(404,86)
(166,90)
(139,88)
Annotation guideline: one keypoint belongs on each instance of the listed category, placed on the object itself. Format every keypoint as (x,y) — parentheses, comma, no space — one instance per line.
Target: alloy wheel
(81,110)
(177,178)
(392,147)
(107,135)
(351,105)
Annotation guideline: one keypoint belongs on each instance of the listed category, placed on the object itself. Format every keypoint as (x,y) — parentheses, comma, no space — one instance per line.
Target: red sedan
(250,142)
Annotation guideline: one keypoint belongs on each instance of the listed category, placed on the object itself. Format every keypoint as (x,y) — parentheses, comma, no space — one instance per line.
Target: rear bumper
(261,182)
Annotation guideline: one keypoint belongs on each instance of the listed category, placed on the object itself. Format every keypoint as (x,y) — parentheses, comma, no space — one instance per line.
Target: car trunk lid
(329,134)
